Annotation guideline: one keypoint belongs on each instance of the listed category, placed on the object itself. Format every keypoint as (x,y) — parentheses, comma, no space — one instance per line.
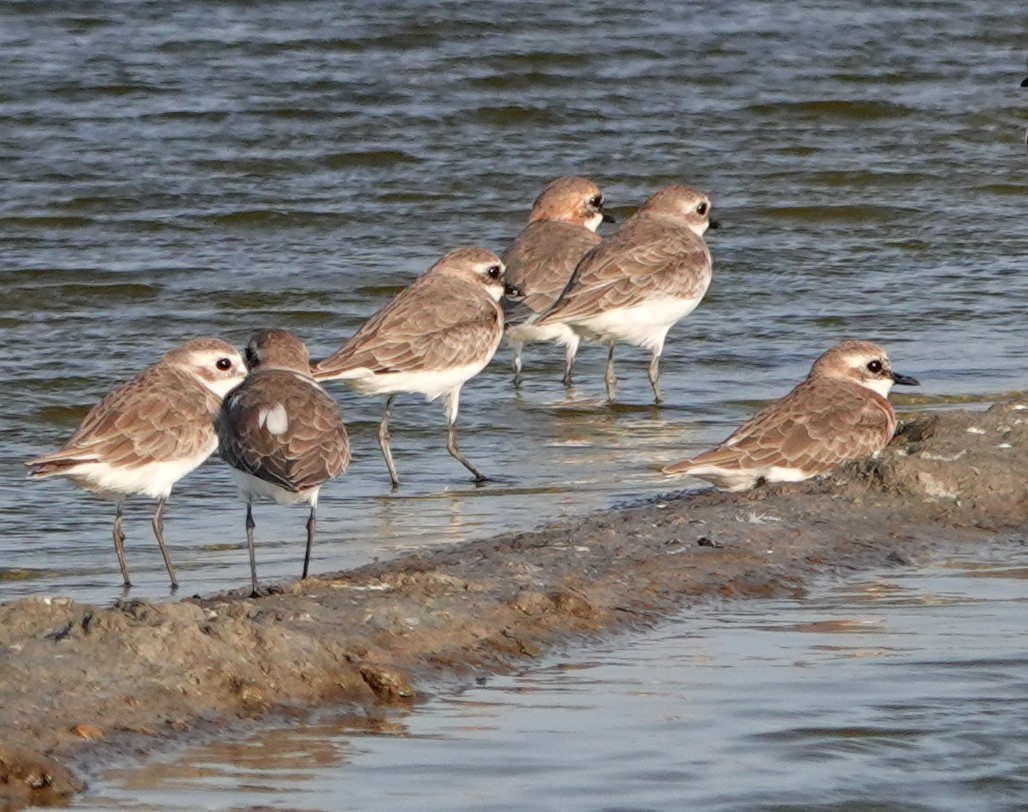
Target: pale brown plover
(839,413)
(147,434)
(431,338)
(561,230)
(635,285)
(281,432)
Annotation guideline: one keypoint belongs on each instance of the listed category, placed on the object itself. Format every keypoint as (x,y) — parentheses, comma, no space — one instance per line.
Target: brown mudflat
(85,685)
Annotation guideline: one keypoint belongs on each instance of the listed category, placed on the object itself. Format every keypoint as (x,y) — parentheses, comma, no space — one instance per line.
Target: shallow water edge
(86,685)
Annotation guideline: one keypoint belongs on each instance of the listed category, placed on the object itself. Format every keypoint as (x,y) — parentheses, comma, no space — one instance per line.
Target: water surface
(894,691)
(184,168)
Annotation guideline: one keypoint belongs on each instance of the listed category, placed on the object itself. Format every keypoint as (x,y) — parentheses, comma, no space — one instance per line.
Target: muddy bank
(81,685)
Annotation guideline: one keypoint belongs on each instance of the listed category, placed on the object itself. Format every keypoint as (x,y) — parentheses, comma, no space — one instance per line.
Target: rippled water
(183,168)
(898,691)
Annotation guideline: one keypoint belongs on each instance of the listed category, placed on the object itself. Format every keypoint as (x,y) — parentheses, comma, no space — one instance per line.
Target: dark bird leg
(653,372)
(452,401)
(610,378)
(119,547)
(312,525)
(158,531)
(250,525)
(383,443)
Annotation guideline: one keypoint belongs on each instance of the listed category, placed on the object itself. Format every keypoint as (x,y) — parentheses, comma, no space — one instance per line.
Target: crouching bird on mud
(148,433)
(281,432)
(839,413)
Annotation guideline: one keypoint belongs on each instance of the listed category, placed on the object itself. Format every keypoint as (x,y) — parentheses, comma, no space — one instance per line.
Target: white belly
(726,479)
(527,333)
(432,384)
(645,325)
(251,488)
(154,479)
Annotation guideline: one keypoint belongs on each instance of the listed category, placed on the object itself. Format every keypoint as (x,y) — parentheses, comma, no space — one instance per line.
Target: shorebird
(561,230)
(839,413)
(148,433)
(281,432)
(431,338)
(636,284)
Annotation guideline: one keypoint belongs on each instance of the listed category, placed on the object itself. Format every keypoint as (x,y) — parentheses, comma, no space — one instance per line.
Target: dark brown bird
(281,432)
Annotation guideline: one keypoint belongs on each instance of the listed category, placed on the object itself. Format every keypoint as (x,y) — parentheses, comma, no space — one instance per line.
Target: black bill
(513,291)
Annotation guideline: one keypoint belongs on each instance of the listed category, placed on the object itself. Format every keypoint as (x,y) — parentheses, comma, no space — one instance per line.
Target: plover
(636,284)
(431,338)
(149,433)
(281,432)
(839,413)
(561,230)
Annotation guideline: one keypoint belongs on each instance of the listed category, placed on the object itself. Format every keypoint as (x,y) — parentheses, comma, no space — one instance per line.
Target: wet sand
(83,686)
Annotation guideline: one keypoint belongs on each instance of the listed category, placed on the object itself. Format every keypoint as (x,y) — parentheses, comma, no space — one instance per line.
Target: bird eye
(596,202)
(701,209)
(494,271)
(224,364)
(874,366)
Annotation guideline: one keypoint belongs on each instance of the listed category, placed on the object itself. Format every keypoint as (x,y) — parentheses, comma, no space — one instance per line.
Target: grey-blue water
(179,168)
(896,691)
(182,168)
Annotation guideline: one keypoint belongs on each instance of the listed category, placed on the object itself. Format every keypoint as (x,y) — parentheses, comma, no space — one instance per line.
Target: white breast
(154,479)
(644,325)
(528,332)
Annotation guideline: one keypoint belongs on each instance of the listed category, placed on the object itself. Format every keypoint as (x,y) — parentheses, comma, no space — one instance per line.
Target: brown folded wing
(540,262)
(162,415)
(817,426)
(646,258)
(314,446)
(437,323)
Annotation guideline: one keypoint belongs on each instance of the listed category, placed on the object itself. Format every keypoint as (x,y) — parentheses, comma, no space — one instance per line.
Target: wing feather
(436,323)
(647,256)
(163,414)
(540,261)
(315,447)
(818,425)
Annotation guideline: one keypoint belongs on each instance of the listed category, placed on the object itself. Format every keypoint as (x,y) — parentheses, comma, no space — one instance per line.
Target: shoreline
(81,686)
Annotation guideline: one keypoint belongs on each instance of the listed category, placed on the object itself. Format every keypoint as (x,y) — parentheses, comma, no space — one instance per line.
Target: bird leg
(250,525)
(119,547)
(312,524)
(383,443)
(451,446)
(653,373)
(158,531)
(451,440)
(517,362)
(610,378)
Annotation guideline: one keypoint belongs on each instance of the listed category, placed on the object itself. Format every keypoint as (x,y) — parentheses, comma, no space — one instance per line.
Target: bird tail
(677,468)
(516,313)
(719,458)
(53,465)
